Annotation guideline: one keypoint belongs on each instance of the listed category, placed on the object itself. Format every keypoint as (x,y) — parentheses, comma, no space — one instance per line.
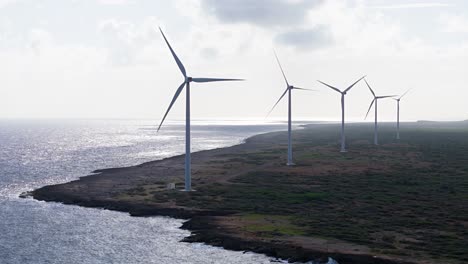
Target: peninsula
(401,202)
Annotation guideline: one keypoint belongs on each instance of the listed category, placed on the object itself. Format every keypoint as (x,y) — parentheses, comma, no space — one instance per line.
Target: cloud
(358,31)
(209,53)
(283,20)
(313,38)
(6,2)
(113,2)
(38,39)
(454,23)
(125,40)
(411,6)
(265,13)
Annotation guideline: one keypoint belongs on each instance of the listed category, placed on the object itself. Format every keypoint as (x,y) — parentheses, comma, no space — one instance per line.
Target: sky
(105,58)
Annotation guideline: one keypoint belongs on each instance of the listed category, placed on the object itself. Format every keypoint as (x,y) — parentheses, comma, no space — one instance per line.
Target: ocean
(34,153)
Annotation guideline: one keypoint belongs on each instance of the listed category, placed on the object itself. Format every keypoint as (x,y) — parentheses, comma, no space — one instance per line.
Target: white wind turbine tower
(186,83)
(375,100)
(398,113)
(288,90)
(343,93)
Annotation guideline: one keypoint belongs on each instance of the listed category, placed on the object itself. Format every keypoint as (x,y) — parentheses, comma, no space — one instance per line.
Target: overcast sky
(104,59)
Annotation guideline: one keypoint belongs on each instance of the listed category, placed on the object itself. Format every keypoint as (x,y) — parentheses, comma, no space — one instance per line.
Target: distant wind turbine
(375,100)
(343,93)
(186,83)
(288,90)
(398,113)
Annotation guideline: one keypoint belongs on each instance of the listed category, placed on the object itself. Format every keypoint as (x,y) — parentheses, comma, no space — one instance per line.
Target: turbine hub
(188,79)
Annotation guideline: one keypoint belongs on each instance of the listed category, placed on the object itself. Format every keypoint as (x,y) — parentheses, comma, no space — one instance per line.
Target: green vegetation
(406,198)
(272,225)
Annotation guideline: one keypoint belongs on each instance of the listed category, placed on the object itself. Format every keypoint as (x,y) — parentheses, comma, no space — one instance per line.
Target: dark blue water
(38,153)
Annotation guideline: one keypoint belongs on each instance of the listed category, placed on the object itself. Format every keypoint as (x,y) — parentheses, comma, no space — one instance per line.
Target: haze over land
(103,58)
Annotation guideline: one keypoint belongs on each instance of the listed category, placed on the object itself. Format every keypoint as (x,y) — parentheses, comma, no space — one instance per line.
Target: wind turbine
(375,100)
(343,93)
(398,113)
(288,90)
(186,83)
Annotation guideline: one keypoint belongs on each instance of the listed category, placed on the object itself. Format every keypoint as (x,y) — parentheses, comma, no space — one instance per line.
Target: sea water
(34,153)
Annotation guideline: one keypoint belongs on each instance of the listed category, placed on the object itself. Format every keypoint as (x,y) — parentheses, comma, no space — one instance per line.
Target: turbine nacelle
(289,87)
(377,98)
(403,95)
(345,91)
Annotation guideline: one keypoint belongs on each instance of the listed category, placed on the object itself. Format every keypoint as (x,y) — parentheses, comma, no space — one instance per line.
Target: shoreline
(139,190)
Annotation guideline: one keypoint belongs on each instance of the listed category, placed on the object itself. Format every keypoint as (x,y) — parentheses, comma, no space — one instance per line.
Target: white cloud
(357,31)
(310,38)
(125,40)
(37,39)
(113,2)
(267,13)
(412,6)
(454,23)
(7,2)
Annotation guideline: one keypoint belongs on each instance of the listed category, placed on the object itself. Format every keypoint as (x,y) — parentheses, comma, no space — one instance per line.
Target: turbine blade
(372,91)
(305,89)
(370,107)
(179,63)
(284,75)
(202,80)
(405,93)
(334,88)
(386,96)
(278,101)
(349,88)
(179,90)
